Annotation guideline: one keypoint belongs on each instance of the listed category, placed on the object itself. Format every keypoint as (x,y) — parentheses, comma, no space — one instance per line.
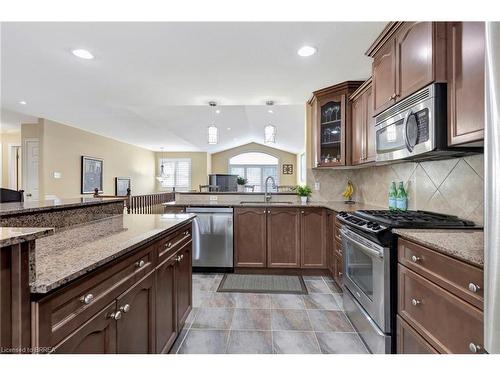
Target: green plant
(241,181)
(303,191)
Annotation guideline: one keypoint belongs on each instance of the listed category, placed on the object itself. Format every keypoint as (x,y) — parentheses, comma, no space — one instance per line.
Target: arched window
(255,167)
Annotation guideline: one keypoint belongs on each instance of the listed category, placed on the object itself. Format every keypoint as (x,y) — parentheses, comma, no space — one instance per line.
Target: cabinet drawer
(409,341)
(338,249)
(170,244)
(455,276)
(64,311)
(450,324)
(336,231)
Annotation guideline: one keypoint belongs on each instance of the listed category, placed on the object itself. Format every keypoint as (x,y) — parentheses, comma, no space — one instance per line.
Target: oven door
(366,275)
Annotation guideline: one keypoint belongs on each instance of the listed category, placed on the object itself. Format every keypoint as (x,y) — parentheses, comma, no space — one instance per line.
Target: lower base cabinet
(409,341)
(166,308)
(183,285)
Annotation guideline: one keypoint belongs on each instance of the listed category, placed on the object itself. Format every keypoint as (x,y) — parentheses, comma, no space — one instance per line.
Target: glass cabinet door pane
(331,132)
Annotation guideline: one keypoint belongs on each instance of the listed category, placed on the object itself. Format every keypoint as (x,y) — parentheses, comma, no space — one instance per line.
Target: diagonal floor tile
(340,343)
(221,300)
(316,286)
(258,319)
(290,320)
(287,301)
(208,318)
(204,342)
(321,302)
(250,342)
(286,342)
(252,300)
(323,320)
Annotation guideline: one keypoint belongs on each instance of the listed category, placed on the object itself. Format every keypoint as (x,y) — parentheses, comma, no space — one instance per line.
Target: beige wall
(61,150)
(220,160)
(200,166)
(6,140)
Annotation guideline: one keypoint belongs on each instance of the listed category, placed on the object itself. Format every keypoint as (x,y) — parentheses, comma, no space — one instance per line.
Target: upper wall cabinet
(331,121)
(406,57)
(465,57)
(363,147)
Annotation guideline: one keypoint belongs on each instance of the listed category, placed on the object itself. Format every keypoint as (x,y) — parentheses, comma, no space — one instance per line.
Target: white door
(30,179)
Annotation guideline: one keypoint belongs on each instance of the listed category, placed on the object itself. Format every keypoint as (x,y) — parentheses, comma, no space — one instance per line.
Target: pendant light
(213,131)
(270,130)
(162,177)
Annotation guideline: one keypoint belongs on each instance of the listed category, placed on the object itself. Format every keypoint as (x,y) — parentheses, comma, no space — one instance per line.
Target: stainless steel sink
(265,203)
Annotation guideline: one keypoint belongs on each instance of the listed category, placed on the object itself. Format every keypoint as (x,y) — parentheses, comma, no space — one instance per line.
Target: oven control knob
(369,224)
(376,226)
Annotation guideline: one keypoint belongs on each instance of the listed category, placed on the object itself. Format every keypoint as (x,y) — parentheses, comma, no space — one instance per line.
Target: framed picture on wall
(122,184)
(287,168)
(91,174)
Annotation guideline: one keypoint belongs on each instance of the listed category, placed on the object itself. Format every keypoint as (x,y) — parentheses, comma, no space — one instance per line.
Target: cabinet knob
(473,348)
(415,302)
(474,288)
(186,233)
(87,298)
(302,212)
(140,264)
(265,211)
(125,308)
(168,245)
(117,315)
(415,259)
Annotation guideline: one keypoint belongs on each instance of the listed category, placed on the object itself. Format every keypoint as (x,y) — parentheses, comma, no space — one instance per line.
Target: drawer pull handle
(179,258)
(87,299)
(186,233)
(473,348)
(415,259)
(474,288)
(125,309)
(415,302)
(169,245)
(117,315)
(140,264)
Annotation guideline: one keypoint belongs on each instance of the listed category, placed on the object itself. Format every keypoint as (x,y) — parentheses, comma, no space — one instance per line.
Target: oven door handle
(368,250)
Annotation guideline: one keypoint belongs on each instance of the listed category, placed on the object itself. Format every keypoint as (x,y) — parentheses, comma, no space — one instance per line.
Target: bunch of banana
(349,191)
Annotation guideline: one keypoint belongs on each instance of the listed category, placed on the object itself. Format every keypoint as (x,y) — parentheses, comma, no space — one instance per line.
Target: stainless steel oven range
(369,277)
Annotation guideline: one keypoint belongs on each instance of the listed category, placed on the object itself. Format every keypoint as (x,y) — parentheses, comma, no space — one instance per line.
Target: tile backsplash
(452,186)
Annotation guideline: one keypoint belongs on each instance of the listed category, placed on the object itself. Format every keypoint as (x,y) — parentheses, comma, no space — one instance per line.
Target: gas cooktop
(413,219)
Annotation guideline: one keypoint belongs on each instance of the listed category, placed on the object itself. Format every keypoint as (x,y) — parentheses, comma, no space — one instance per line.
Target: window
(255,167)
(177,174)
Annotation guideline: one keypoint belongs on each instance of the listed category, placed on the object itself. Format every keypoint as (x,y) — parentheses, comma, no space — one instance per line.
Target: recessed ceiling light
(270,111)
(217,111)
(228,128)
(306,51)
(83,54)
(22,102)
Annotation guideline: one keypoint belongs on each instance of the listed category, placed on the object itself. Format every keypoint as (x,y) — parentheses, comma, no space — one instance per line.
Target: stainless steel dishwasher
(212,238)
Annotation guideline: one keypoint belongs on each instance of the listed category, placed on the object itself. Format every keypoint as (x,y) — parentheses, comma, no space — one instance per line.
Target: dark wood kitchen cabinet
(183,280)
(363,146)
(96,336)
(283,237)
(166,307)
(250,246)
(407,56)
(313,223)
(135,330)
(331,123)
(465,73)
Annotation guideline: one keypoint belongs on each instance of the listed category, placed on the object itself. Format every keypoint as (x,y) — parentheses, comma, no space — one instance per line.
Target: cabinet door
(96,336)
(313,238)
(465,82)
(166,306)
(409,341)
(384,77)
(136,328)
(330,243)
(358,130)
(414,55)
(250,237)
(183,281)
(331,131)
(338,263)
(370,139)
(283,230)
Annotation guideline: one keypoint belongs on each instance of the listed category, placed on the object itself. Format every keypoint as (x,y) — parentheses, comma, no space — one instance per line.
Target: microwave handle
(405,132)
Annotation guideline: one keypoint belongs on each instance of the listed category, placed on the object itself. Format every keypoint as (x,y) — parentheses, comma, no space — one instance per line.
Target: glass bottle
(392,196)
(402,198)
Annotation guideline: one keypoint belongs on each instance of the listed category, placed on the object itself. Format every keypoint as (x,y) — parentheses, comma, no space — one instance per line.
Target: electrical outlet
(213,197)
(316,186)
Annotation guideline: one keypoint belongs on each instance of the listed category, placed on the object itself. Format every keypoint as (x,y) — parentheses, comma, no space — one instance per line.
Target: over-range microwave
(416,128)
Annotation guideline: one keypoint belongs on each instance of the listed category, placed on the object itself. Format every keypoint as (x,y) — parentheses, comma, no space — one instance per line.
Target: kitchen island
(86,288)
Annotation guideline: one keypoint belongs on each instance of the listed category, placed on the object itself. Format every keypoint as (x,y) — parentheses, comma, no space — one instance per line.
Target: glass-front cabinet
(331,124)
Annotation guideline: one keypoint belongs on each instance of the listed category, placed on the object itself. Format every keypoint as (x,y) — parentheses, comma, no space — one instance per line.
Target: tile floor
(246,323)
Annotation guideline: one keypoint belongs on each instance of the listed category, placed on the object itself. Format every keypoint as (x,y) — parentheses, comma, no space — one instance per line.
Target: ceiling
(150,83)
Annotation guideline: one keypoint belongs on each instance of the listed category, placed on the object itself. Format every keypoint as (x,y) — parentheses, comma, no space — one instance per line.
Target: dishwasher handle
(209,210)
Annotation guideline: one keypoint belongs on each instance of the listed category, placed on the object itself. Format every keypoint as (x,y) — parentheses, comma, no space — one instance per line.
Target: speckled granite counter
(15,208)
(463,244)
(13,236)
(332,205)
(76,250)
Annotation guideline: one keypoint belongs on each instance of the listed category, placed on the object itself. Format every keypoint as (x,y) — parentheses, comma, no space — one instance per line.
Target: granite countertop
(14,208)
(13,236)
(332,205)
(74,251)
(463,244)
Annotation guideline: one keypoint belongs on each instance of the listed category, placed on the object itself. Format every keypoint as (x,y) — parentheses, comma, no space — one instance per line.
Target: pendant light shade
(270,134)
(213,135)
(162,177)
